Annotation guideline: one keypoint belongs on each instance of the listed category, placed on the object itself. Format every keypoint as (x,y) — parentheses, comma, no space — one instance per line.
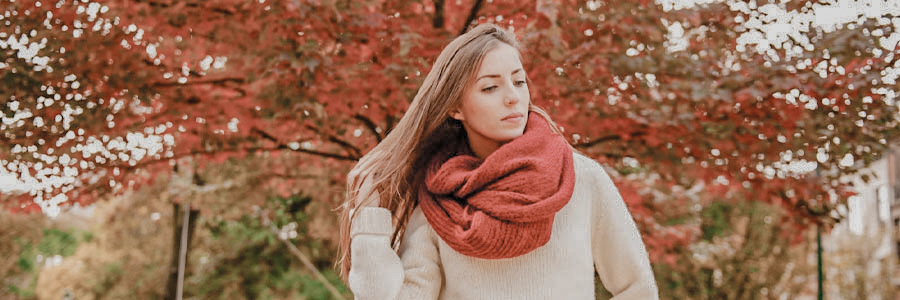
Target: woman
(482,196)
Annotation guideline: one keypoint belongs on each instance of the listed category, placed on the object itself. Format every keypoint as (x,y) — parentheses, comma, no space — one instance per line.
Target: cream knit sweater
(594,231)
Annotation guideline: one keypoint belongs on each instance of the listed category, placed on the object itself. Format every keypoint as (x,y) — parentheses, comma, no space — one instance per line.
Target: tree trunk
(438,20)
(177,217)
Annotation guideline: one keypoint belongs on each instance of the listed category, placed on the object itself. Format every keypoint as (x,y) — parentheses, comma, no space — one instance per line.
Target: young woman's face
(494,107)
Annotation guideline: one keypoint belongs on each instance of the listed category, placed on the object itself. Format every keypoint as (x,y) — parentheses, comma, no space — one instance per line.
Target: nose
(512,96)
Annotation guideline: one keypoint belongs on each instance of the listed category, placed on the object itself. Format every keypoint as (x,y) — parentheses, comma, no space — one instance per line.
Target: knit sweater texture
(593,232)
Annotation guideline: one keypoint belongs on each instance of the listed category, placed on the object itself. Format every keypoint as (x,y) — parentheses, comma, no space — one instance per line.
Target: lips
(512,117)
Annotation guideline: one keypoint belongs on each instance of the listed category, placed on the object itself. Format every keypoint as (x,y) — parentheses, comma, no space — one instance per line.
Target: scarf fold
(502,206)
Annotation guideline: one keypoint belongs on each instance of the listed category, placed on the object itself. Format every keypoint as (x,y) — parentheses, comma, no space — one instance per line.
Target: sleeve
(421,260)
(620,257)
(375,269)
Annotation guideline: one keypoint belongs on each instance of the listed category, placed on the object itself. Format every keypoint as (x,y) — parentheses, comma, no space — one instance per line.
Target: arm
(421,261)
(619,254)
(375,269)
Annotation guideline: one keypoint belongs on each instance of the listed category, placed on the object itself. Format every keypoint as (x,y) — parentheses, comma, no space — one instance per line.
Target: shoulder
(589,169)
(593,182)
(583,162)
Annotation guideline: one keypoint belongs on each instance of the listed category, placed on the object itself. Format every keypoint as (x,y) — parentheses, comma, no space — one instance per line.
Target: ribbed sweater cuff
(371,220)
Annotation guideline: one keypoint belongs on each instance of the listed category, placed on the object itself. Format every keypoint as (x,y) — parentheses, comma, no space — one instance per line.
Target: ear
(456,114)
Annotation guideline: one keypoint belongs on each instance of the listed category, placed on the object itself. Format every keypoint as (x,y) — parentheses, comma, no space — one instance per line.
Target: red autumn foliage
(225,79)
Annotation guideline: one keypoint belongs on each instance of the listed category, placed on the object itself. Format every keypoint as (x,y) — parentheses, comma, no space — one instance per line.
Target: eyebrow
(497,75)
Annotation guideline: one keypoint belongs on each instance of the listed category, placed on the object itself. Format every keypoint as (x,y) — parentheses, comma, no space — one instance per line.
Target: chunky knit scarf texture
(502,206)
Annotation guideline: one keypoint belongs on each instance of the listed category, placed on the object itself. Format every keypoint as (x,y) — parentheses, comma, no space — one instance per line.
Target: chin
(506,137)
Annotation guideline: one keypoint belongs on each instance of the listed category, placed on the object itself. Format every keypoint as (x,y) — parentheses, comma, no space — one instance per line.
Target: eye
(490,88)
(520,82)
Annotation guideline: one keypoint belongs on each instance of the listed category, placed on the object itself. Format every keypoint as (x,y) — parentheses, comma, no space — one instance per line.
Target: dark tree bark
(438,20)
(472,15)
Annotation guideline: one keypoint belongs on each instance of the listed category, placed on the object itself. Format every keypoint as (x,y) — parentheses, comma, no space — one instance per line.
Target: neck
(482,147)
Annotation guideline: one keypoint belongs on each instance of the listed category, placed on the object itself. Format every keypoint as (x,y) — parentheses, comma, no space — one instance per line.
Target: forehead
(502,59)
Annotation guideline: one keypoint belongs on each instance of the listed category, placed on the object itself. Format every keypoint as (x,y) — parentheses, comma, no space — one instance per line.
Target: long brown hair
(393,170)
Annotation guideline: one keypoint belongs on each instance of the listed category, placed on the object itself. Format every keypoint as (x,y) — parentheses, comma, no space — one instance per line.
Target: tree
(103,97)
(234,254)
(740,255)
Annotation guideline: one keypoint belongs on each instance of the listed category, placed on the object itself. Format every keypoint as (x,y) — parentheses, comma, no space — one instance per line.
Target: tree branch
(217,81)
(472,15)
(193,5)
(606,139)
(597,141)
(305,260)
(282,146)
(265,135)
(390,121)
(276,148)
(279,147)
(336,140)
(370,125)
(289,176)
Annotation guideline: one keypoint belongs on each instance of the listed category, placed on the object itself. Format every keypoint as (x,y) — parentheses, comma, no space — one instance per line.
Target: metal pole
(821,293)
(186,210)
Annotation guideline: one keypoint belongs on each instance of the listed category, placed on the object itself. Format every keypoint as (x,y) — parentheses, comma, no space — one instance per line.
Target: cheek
(477,104)
(482,112)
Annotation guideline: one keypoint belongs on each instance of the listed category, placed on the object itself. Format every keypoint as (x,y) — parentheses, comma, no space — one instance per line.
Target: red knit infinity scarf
(503,206)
